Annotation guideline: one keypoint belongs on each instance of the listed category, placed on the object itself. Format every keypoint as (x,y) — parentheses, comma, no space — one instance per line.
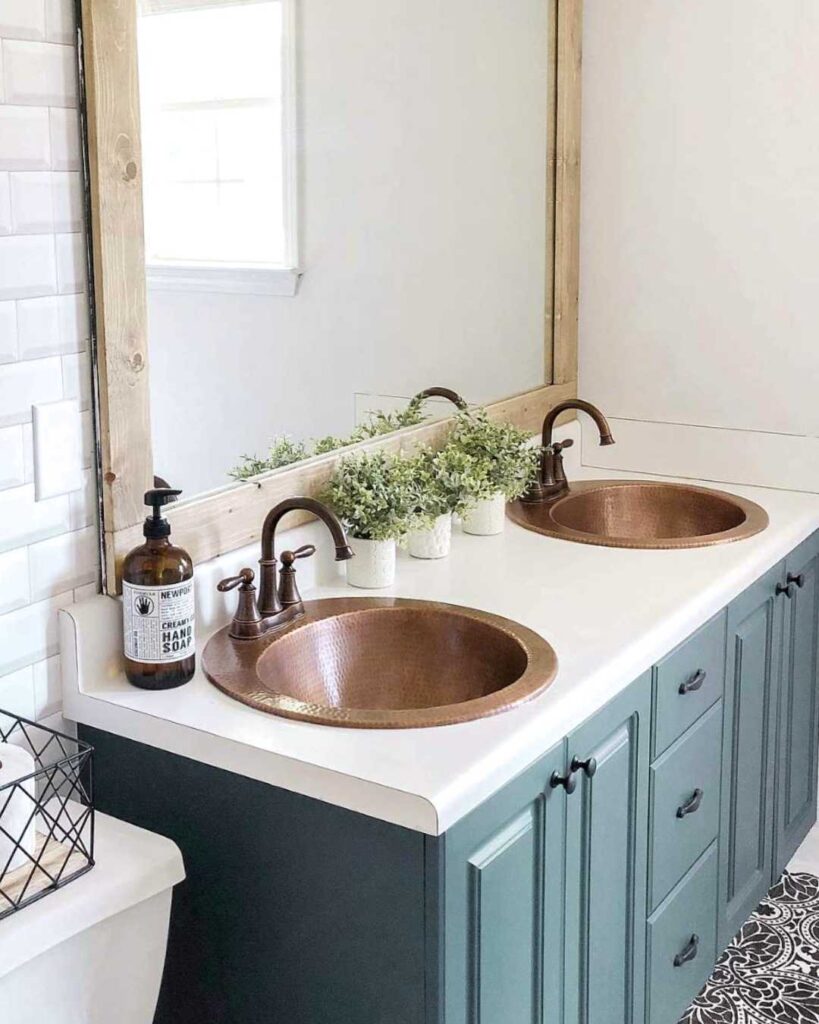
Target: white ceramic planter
(372,565)
(434,542)
(487,517)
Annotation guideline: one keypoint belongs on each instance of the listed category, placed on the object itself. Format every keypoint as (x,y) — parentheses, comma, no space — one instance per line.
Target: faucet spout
(439,392)
(553,483)
(600,420)
(270,604)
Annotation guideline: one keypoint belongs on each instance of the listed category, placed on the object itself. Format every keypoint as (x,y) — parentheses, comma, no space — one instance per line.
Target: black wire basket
(46,817)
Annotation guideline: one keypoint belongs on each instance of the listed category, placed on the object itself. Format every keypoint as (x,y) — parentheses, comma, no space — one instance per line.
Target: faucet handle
(558,446)
(289,595)
(287,558)
(243,580)
(247,623)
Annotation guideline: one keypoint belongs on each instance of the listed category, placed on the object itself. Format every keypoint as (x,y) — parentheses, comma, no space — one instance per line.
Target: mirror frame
(223,520)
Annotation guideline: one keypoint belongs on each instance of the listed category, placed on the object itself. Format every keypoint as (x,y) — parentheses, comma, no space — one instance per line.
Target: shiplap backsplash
(48,549)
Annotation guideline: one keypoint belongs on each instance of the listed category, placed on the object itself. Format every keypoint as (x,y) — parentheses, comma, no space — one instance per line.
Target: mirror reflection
(344,204)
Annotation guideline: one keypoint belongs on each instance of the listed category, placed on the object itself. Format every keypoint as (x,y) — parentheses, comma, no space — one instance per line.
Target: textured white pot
(434,542)
(487,517)
(372,565)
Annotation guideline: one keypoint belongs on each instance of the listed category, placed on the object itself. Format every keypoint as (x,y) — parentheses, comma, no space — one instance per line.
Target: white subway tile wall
(25,142)
(48,549)
(22,19)
(8,332)
(12,462)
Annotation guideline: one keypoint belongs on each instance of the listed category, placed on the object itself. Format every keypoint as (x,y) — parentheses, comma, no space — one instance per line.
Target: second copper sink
(643,514)
(384,663)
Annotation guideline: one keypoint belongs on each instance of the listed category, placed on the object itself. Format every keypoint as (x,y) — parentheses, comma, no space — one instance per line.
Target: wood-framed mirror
(411,220)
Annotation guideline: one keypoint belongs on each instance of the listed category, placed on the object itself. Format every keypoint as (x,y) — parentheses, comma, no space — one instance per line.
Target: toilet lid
(131,865)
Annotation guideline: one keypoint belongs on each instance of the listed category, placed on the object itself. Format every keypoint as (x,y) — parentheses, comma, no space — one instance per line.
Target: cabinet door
(795,793)
(503,899)
(748,750)
(606,838)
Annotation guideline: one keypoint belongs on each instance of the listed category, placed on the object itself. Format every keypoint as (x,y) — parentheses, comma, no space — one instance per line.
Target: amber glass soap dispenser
(157,605)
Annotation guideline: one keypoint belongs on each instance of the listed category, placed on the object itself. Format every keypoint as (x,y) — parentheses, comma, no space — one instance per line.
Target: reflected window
(214,98)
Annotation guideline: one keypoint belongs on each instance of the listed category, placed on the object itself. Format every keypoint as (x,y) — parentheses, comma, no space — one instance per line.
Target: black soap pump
(158,604)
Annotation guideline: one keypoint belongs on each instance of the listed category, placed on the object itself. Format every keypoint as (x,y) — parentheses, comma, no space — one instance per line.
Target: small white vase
(434,542)
(487,517)
(372,565)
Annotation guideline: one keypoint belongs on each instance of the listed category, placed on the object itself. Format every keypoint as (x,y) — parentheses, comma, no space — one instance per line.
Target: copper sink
(643,514)
(384,663)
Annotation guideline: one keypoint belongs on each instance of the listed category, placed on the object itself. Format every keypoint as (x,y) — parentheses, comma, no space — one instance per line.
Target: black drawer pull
(694,683)
(798,579)
(589,766)
(785,588)
(688,953)
(690,805)
(568,782)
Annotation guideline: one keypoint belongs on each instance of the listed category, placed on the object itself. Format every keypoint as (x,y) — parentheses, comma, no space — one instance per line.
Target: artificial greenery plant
(284,451)
(496,458)
(375,493)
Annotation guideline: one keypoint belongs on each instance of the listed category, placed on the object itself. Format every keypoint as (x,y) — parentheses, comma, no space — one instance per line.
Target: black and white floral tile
(770,972)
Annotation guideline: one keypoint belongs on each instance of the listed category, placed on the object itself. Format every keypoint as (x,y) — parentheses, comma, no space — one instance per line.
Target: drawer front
(687,682)
(682,942)
(685,790)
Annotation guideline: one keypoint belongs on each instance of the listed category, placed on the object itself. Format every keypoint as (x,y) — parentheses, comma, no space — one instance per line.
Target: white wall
(700,235)
(422,146)
(48,549)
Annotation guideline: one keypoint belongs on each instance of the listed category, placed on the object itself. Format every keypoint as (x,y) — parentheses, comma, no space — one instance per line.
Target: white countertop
(609,614)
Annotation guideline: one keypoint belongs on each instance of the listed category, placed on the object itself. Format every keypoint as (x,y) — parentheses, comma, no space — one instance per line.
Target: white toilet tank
(93,952)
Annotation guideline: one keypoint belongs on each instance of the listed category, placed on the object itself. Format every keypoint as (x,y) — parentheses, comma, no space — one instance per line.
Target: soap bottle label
(158,622)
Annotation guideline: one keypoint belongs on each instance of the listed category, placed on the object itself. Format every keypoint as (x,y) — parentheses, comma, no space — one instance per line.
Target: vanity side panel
(293,910)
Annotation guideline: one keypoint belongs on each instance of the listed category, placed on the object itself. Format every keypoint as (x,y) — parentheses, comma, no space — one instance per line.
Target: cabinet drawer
(687,682)
(685,788)
(682,942)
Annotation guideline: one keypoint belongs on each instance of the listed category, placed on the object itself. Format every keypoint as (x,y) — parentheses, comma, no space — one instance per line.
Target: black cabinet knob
(797,578)
(568,782)
(689,952)
(588,767)
(789,589)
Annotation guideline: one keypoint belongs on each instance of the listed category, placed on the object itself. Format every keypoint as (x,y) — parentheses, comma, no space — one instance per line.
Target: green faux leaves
(375,493)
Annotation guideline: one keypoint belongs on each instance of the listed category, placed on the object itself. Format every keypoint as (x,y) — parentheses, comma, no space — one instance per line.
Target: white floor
(806,857)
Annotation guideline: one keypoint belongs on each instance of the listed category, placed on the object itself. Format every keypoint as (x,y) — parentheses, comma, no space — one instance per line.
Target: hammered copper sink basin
(384,663)
(643,514)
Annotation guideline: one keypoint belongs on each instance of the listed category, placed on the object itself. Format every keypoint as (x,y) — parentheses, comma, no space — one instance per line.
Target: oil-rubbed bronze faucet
(448,393)
(279,604)
(269,601)
(553,483)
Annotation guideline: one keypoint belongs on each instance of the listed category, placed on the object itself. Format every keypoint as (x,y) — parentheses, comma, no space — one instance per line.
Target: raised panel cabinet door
(795,792)
(753,663)
(503,904)
(606,840)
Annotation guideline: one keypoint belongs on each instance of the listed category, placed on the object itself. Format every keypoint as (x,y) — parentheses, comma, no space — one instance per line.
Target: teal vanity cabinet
(749,751)
(529,910)
(596,887)
(606,829)
(544,890)
(684,820)
(502,903)
(770,732)
(795,792)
